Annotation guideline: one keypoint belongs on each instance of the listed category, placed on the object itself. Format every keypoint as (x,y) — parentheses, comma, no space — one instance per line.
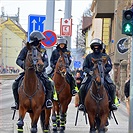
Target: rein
(97,97)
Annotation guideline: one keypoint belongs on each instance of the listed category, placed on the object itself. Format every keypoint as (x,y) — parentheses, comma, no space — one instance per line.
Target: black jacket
(88,65)
(127,89)
(55,55)
(22,56)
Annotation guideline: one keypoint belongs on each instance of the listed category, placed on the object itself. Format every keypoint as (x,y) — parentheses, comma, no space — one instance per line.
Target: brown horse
(96,100)
(31,92)
(63,92)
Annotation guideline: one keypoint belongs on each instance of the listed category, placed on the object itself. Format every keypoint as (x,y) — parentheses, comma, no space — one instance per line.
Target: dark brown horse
(31,92)
(63,92)
(96,100)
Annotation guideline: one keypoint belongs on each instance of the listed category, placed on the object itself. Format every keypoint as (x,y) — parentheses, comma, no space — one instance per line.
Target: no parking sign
(50,40)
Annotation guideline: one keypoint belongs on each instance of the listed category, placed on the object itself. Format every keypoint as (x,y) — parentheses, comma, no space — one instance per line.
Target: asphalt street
(7,125)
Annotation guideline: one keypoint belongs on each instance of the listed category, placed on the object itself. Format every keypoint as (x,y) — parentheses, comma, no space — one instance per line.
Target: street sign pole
(131,91)
(68,8)
(49,25)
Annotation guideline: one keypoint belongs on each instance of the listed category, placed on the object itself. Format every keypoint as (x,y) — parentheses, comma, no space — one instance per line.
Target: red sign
(50,40)
(66,27)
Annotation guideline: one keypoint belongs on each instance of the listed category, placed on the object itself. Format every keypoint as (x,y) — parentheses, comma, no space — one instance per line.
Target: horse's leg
(46,123)
(34,119)
(91,117)
(20,122)
(55,116)
(103,118)
(42,119)
(63,115)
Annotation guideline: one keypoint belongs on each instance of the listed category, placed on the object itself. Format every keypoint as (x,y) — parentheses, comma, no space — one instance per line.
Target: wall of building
(11,45)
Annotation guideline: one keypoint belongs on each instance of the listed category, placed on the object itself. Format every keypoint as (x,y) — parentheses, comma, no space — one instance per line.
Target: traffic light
(127,22)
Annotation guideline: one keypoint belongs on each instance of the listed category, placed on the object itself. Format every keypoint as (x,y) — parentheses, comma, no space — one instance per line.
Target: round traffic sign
(50,40)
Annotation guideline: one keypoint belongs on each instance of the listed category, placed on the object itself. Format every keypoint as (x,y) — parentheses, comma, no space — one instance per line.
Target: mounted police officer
(35,38)
(62,46)
(97,47)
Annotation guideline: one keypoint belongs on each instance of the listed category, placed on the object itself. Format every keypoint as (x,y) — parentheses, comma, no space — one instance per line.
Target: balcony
(104,8)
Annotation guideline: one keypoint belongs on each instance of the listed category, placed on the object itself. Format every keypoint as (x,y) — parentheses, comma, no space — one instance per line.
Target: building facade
(107,26)
(13,38)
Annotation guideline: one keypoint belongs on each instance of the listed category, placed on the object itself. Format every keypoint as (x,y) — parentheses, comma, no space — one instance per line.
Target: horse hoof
(55,131)
(62,128)
(93,131)
(20,131)
(62,131)
(33,130)
(106,129)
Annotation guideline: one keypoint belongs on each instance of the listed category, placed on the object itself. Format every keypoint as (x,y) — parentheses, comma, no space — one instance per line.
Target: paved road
(9,126)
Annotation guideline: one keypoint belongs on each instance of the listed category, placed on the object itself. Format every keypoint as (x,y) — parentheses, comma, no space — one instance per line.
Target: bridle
(62,66)
(33,58)
(100,68)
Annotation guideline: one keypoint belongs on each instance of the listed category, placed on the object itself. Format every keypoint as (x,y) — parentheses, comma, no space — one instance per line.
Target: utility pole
(67,15)
(77,40)
(49,25)
(131,92)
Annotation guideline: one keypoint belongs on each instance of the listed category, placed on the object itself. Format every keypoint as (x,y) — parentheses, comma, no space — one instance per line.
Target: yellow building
(13,38)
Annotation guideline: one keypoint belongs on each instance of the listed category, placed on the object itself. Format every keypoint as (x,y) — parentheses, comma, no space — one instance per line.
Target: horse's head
(61,65)
(34,58)
(98,70)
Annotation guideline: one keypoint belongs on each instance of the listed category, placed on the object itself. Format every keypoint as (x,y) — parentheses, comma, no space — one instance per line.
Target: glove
(91,73)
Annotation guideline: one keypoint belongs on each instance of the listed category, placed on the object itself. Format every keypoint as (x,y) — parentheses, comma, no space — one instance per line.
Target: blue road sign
(36,22)
(77,64)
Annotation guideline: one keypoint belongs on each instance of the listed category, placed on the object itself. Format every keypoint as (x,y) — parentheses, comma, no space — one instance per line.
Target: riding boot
(15,94)
(112,95)
(82,97)
(49,94)
(73,85)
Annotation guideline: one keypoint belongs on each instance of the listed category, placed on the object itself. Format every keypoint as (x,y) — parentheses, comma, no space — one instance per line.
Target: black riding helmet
(36,36)
(96,42)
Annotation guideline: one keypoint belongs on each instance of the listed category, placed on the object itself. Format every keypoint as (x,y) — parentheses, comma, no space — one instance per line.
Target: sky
(38,7)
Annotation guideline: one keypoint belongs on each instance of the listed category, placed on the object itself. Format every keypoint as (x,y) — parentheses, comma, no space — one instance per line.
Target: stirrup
(74,92)
(113,107)
(81,107)
(15,107)
(49,104)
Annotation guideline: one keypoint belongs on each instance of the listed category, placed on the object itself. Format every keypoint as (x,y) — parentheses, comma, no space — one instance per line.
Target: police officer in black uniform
(97,46)
(62,45)
(35,38)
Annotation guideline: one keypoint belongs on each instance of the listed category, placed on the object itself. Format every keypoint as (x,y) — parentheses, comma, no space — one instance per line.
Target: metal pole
(6,53)
(77,36)
(49,25)
(67,15)
(131,92)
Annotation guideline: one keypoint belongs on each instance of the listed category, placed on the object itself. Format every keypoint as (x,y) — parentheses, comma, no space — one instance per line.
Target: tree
(80,38)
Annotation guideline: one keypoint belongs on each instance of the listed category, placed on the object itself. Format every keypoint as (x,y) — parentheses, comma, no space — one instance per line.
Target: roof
(14,27)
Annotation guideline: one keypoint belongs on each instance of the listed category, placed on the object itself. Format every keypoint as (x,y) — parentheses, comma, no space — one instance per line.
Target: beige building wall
(11,45)
(12,39)
(97,28)
(88,49)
